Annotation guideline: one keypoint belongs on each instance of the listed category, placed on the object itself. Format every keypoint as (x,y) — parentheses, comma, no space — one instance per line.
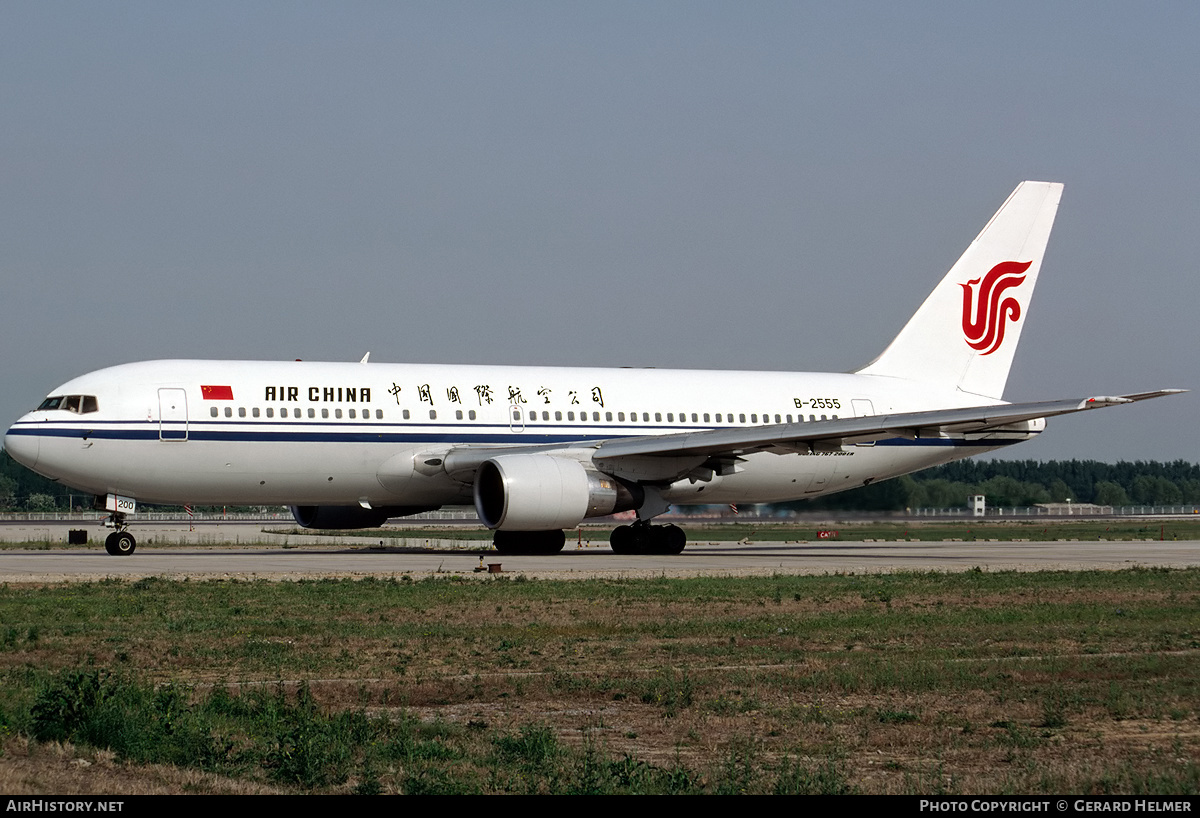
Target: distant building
(977,503)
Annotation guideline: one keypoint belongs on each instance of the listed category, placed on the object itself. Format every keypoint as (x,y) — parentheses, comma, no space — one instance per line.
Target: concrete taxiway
(245,551)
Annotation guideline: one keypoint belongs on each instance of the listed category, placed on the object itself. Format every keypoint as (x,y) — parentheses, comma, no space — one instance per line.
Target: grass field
(972,682)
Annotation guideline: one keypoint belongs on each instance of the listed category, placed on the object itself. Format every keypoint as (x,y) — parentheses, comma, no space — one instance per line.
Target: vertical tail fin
(966,332)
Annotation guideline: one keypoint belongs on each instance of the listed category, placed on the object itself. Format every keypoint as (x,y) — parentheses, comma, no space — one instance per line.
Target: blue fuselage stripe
(374,433)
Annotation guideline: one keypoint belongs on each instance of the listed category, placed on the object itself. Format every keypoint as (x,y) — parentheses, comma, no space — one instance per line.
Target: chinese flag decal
(217,392)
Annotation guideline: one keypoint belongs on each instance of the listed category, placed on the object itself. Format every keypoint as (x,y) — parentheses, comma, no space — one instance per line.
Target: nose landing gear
(120,543)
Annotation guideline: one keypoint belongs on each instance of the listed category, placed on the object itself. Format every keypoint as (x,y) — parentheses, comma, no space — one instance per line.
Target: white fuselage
(301,433)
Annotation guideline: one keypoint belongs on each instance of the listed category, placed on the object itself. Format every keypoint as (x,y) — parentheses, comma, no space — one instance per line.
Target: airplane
(540,449)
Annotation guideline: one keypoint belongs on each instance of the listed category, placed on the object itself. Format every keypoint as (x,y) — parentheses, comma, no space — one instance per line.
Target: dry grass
(969,683)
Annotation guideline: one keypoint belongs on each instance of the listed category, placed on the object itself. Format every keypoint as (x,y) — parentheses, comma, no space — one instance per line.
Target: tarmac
(247,551)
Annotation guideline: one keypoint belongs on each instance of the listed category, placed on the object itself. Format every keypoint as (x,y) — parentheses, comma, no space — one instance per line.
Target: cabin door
(172,414)
(863,408)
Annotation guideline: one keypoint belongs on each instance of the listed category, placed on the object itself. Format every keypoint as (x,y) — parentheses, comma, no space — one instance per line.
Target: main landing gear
(639,538)
(529,542)
(120,543)
(643,538)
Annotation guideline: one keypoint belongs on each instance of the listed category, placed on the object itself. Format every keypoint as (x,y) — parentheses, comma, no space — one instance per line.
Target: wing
(791,437)
(678,453)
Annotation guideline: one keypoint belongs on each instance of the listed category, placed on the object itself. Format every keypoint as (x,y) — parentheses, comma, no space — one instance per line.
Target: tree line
(1026,483)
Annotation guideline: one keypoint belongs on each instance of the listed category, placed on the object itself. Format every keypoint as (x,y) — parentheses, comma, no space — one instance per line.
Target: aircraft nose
(21,442)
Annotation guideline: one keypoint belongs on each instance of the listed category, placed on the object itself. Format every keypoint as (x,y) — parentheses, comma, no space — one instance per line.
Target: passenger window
(350,414)
(558,415)
(545,415)
(432,414)
(458,414)
(324,413)
(379,414)
(621,417)
(608,416)
(596,417)
(283,412)
(254,411)
(570,415)
(337,413)
(405,414)
(270,412)
(694,418)
(471,414)
(658,417)
(213,411)
(312,413)
(228,411)
(706,417)
(670,417)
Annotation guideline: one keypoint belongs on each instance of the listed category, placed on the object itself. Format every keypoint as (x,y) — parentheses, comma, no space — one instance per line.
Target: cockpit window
(79,404)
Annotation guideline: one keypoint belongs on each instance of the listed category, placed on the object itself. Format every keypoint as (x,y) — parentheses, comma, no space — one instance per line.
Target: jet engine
(540,492)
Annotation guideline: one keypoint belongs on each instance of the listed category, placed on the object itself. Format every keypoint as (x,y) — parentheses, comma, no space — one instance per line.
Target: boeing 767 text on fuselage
(540,449)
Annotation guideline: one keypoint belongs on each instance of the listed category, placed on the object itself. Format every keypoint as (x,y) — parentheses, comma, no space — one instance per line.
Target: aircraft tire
(120,544)
(553,541)
(648,539)
(530,543)
(671,539)
(622,540)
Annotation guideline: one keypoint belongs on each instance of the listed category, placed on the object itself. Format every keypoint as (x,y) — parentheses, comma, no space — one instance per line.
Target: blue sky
(727,185)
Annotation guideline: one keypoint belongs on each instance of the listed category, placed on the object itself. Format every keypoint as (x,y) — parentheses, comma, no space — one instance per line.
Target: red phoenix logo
(986,311)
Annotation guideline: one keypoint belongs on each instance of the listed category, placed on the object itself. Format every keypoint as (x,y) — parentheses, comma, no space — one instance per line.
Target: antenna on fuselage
(364,358)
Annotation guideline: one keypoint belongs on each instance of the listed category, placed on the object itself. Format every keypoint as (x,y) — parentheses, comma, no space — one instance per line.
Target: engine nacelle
(539,492)
(351,516)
